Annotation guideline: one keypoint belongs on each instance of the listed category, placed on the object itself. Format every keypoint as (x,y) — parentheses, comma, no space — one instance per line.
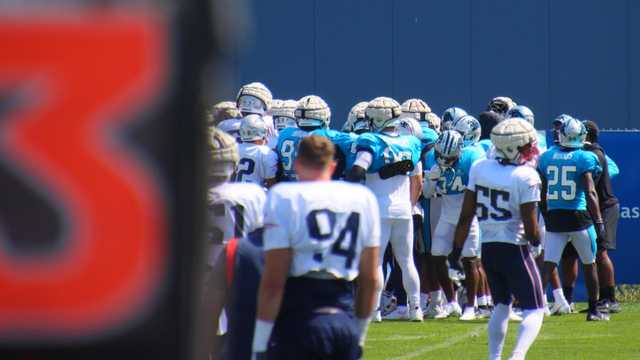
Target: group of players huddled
(400,215)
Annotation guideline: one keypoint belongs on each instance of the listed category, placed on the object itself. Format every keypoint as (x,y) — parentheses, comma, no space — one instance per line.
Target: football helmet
(501,104)
(383,112)
(355,114)
(222,111)
(410,126)
(284,113)
(573,134)
(254,98)
(448,148)
(417,108)
(469,128)
(557,124)
(312,112)
(450,116)
(515,140)
(252,128)
(433,121)
(523,112)
(223,154)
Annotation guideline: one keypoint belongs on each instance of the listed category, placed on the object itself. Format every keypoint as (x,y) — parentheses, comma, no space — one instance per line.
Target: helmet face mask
(252,128)
(361,126)
(448,148)
(257,91)
(249,104)
(312,112)
(283,122)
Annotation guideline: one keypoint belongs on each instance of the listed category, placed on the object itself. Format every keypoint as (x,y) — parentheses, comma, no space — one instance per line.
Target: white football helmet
(450,116)
(501,104)
(383,112)
(416,108)
(252,128)
(410,126)
(573,133)
(433,121)
(448,147)
(521,111)
(284,113)
(515,140)
(312,112)
(222,111)
(355,114)
(469,128)
(223,155)
(254,98)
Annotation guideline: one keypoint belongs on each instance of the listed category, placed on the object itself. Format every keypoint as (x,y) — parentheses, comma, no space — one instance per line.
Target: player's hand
(435,173)
(536,250)
(601,233)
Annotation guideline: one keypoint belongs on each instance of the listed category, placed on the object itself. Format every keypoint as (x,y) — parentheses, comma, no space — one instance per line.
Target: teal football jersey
(429,136)
(485,144)
(344,144)
(388,149)
(287,149)
(456,178)
(563,169)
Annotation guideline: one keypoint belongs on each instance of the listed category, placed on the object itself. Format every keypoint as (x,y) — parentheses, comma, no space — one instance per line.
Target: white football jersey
(235,209)
(231,127)
(257,163)
(326,224)
(272,132)
(500,190)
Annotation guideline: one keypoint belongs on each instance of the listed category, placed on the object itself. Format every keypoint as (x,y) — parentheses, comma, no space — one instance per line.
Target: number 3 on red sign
(87,78)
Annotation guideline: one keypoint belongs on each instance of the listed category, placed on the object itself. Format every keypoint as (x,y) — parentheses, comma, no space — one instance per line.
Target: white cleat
(377,317)
(560,308)
(400,313)
(436,311)
(483,313)
(415,314)
(453,309)
(469,314)
(514,317)
(547,312)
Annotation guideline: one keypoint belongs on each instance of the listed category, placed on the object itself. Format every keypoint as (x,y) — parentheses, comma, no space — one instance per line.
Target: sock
(423,300)
(529,329)
(489,300)
(612,293)
(482,301)
(436,296)
(498,325)
(558,296)
(568,292)
(593,305)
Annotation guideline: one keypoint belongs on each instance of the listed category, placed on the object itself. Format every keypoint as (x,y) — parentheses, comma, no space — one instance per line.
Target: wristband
(261,335)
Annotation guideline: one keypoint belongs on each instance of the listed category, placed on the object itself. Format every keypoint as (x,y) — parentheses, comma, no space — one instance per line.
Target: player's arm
(529,214)
(364,159)
(416,183)
(368,286)
(593,205)
(467,214)
(271,169)
(274,278)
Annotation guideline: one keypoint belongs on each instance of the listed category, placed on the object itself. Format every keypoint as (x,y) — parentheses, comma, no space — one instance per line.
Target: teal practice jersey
(455,179)
(429,136)
(344,146)
(287,150)
(563,169)
(388,149)
(486,144)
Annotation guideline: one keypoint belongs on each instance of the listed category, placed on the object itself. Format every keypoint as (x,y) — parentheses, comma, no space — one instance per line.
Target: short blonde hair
(316,152)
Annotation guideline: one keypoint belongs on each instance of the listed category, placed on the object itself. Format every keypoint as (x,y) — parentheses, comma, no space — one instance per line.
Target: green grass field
(565,337)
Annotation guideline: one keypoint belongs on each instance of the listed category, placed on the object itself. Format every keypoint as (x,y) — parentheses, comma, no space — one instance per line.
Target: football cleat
(522,112)
(513,316)
(313,112)
(254,98)
(388,303)
(560,308)
(448,147)
(252,128)
(469,128)
(596,315)
(572,134)
(377,317)
(415,313)
(483,313)
(515,140)
(399,313)
(614,307)
(469,314)
(383,112)
(453,309)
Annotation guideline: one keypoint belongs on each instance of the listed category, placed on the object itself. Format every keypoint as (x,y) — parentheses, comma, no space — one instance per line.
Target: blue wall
(573,56)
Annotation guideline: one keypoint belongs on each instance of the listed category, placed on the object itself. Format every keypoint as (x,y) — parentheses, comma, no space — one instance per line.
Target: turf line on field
(445,344)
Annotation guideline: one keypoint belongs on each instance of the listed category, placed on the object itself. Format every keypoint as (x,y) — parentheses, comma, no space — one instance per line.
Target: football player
(311,113)
(258,164)
(570,202)
(503,194)
(450,116)
(433,121)
(470,129)
(487,120)
(284,113)
(356,115)
(234,210)
(319,236)
(523,112)
(390,163)
(448,175)
(222,111)
(256,98)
